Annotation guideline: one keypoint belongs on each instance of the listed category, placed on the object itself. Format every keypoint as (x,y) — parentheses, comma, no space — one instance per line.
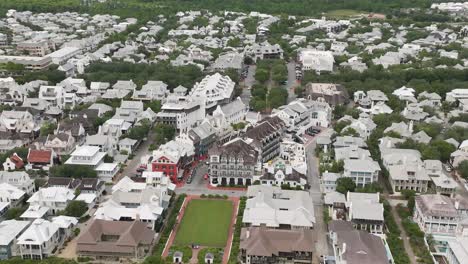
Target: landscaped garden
(205,223)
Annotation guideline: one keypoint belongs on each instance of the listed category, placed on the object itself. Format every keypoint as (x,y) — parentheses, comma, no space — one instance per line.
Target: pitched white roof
(10,229)
(65,221)
(272,206)
(52,194)
(39,232)
(127,185)
(365,206)
(35,212)
(10,192)
(86,197)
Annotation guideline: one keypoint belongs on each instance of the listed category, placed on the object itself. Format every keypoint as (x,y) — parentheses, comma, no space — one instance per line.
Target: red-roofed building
(13,162)
(40,159)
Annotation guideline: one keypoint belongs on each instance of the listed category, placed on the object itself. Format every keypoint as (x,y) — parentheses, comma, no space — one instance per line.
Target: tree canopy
(73,171)
(463,169)
(75,208)
(345,185)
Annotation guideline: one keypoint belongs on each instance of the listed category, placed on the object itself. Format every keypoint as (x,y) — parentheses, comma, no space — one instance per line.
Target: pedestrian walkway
(405,238)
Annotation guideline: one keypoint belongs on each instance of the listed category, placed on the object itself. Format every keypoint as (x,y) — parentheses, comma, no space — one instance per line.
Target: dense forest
(146,9)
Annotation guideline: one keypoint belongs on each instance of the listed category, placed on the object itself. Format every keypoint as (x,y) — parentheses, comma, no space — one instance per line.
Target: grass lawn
(206,223)
(342,13)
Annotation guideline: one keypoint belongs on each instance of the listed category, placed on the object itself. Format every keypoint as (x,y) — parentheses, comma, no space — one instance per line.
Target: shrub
(76,231)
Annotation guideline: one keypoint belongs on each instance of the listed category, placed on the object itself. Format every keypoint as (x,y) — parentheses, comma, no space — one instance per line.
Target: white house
(134,200)
(440,215)
(127,145)
(279,172)
(328,182)
(40,240)
(363,172)
(11,194)
(91,156)
(272,207)
(305,113)
(66,225)
(365,211)
(152,90)
(316,60)
(182,112)
(17,121)
(53,198)
(11,230)
(54,95)
(456,94)
(19,179)
(231,113)
(213,90)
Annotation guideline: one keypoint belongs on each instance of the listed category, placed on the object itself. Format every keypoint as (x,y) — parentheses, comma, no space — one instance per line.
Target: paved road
(247,84)
(292,82)
(320,228)
(132,165)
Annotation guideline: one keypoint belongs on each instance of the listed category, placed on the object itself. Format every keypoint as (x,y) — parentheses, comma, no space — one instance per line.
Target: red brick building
(173,157)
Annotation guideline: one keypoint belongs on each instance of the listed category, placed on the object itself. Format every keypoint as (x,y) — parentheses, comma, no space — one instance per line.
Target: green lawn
(342,13)
(206,223)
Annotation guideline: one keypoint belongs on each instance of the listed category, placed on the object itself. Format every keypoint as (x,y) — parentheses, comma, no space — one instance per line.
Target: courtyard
(205,223)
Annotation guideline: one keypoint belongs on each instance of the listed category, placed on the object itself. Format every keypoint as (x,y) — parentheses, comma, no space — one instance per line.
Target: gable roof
(259,241)
(39,156)
(131,235)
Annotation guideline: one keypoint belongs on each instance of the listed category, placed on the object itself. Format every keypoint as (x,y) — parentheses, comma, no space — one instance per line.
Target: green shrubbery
(237,232)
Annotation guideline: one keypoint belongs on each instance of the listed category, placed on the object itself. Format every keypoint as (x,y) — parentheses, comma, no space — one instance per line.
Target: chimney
(247,234)
(457,204)
(410,127)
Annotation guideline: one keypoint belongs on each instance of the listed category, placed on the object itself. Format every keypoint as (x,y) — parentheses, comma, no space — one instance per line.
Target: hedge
(237,232)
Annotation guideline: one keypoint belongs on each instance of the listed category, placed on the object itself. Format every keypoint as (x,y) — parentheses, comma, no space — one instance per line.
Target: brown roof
(90,184)
(17,160)
(361,247)
(236,148)
(340,225)
(293,176)
(39,156)
(436,205)
(340,97)
(61,136)
(267,127)
(131,235)
(259,241)
(73,127)
(63,181)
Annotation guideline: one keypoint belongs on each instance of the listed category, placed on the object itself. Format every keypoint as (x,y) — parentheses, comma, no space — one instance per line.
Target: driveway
(132,165)
(322,246)
(292,82)
(247,84)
